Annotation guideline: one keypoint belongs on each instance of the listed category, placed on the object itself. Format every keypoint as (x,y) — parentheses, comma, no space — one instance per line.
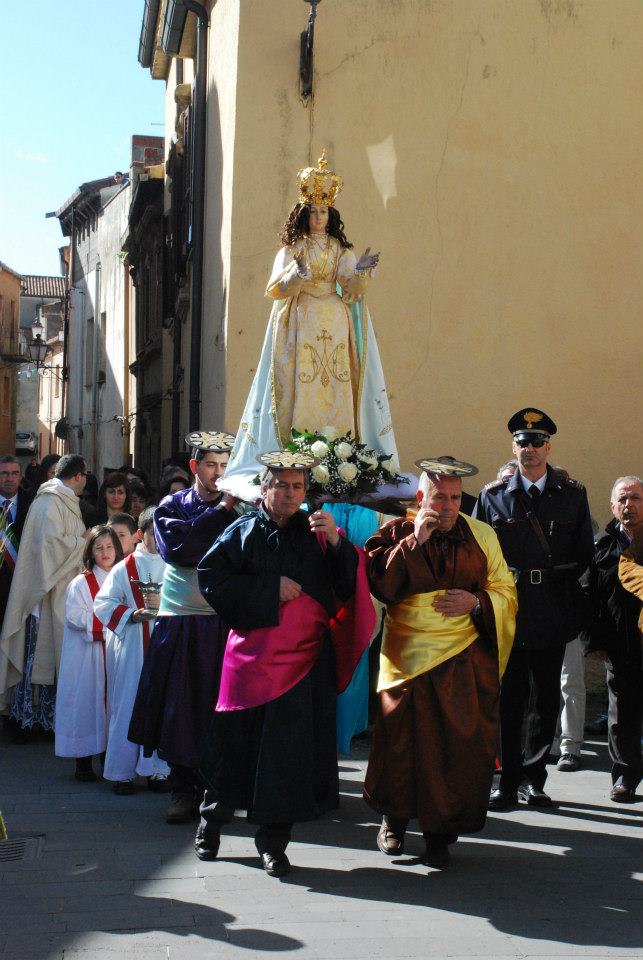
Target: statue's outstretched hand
(368,260)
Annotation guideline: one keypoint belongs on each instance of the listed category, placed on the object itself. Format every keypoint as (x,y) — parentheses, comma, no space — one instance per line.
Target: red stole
(265,663)
(98,633)
(132,573)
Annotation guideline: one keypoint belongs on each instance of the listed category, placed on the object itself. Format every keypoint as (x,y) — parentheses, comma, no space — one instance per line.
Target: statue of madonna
(320,366)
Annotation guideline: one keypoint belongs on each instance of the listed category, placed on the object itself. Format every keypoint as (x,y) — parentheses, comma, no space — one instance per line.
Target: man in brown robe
(448,631)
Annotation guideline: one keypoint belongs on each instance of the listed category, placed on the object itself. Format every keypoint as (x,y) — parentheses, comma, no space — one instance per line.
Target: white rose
(320,475)
(368,461)
(389,466)
(343,450)
(347,471)
(329,432)
(319,449)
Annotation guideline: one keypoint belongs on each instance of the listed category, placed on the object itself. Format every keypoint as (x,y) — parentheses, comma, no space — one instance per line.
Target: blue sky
(72,93)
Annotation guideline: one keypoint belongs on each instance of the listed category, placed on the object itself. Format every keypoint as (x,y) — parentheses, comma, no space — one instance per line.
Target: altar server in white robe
(81,698)
(120,605)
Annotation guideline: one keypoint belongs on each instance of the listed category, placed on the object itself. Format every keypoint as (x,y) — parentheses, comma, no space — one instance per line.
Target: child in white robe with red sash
(129,617)
(81,698)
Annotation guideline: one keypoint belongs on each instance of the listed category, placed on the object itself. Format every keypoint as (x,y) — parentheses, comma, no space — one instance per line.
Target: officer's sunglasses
(527,441)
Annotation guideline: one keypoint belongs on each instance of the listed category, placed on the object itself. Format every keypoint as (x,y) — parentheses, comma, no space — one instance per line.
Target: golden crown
(319,184)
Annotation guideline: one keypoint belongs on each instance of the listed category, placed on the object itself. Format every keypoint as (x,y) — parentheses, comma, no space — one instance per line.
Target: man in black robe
(277,758)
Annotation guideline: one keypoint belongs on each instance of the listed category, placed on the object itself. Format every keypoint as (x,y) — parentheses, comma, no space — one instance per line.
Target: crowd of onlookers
(125,489)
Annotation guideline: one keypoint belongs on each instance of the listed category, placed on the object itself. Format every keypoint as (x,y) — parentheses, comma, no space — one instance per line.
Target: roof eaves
(3,266)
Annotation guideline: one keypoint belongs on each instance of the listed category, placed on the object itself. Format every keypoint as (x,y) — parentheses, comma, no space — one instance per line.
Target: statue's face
(318,218)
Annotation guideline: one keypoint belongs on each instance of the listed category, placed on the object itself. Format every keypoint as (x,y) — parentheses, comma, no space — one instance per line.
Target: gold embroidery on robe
(316,382)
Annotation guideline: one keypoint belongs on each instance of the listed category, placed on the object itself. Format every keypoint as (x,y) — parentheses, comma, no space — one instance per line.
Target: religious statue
(320,370)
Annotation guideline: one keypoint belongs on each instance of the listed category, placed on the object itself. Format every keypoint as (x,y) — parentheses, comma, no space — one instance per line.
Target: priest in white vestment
(50,556)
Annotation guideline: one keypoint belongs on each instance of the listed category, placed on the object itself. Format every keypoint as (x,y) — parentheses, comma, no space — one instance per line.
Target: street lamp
(38,348)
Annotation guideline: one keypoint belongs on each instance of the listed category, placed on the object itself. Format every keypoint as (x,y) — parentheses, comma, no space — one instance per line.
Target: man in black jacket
(542,519)
(615,633)
(14,504)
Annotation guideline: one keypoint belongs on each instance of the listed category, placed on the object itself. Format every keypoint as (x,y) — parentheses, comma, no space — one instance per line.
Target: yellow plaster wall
(492,150)
(223,205)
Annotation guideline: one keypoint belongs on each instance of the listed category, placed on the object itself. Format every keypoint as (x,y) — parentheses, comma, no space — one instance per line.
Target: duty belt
(539,575)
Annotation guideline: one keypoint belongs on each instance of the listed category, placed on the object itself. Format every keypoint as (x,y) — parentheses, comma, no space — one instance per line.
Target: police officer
(541,517)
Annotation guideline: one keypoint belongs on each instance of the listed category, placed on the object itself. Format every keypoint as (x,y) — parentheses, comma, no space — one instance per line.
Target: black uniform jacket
(551,607)
(24,502)
(615,611)
(240,575)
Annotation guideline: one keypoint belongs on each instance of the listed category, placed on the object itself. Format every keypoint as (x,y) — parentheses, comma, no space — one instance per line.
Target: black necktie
(534,493)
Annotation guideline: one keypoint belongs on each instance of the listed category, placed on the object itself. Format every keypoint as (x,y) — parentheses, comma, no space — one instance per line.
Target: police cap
(531,422)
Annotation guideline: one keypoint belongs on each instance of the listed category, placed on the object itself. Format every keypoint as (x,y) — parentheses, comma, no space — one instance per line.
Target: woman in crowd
(139,497)
(173,479)
(113,497)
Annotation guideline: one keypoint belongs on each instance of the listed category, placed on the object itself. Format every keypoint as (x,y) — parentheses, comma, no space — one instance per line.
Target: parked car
(26,442)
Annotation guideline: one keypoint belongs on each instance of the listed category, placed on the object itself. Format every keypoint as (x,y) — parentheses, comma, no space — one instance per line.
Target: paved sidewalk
(112,880)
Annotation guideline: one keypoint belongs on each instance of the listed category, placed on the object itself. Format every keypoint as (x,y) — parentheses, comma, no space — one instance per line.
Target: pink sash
(265,663)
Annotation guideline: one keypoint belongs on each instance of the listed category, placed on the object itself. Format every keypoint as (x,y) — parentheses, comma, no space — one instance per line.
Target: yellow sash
(417,638)
(630,573)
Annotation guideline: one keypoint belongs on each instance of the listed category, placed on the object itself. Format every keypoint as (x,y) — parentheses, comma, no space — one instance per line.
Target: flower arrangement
(347,468)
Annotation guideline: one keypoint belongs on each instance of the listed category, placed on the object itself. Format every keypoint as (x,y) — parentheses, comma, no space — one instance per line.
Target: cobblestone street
(110,879)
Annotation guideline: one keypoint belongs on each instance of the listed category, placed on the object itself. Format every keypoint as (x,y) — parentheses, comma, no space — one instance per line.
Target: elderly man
(543,523)
(180,679)
(451,605)
(274,576)
(615,586)
(50,556)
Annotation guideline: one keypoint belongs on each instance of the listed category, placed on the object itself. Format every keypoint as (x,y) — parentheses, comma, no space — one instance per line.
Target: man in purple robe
(180,677)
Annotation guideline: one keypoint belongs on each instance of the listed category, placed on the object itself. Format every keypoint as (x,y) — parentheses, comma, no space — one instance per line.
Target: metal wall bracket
(307,40)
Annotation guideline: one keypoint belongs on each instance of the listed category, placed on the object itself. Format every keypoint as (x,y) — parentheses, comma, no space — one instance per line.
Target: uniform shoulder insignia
(496,484)
(573,483)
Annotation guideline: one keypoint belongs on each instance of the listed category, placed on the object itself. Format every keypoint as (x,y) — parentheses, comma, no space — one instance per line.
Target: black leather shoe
(180,808)
(390,836)
(534,796)
(275,866)
(123,788)
(502,800)
(85,776)
(206,844)
(622,793)
(437,853)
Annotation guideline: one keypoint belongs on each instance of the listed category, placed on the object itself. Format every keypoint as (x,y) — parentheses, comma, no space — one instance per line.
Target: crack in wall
(353,56)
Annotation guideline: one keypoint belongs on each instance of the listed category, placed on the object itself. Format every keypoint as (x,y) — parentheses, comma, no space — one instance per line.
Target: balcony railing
(10,349)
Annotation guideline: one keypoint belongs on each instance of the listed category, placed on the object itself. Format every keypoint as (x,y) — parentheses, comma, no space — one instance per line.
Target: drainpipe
(198,211)
(95,357)
(126,369)
(70,286)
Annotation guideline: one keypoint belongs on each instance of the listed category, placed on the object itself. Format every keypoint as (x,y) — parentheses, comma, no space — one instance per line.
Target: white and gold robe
(319,365)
